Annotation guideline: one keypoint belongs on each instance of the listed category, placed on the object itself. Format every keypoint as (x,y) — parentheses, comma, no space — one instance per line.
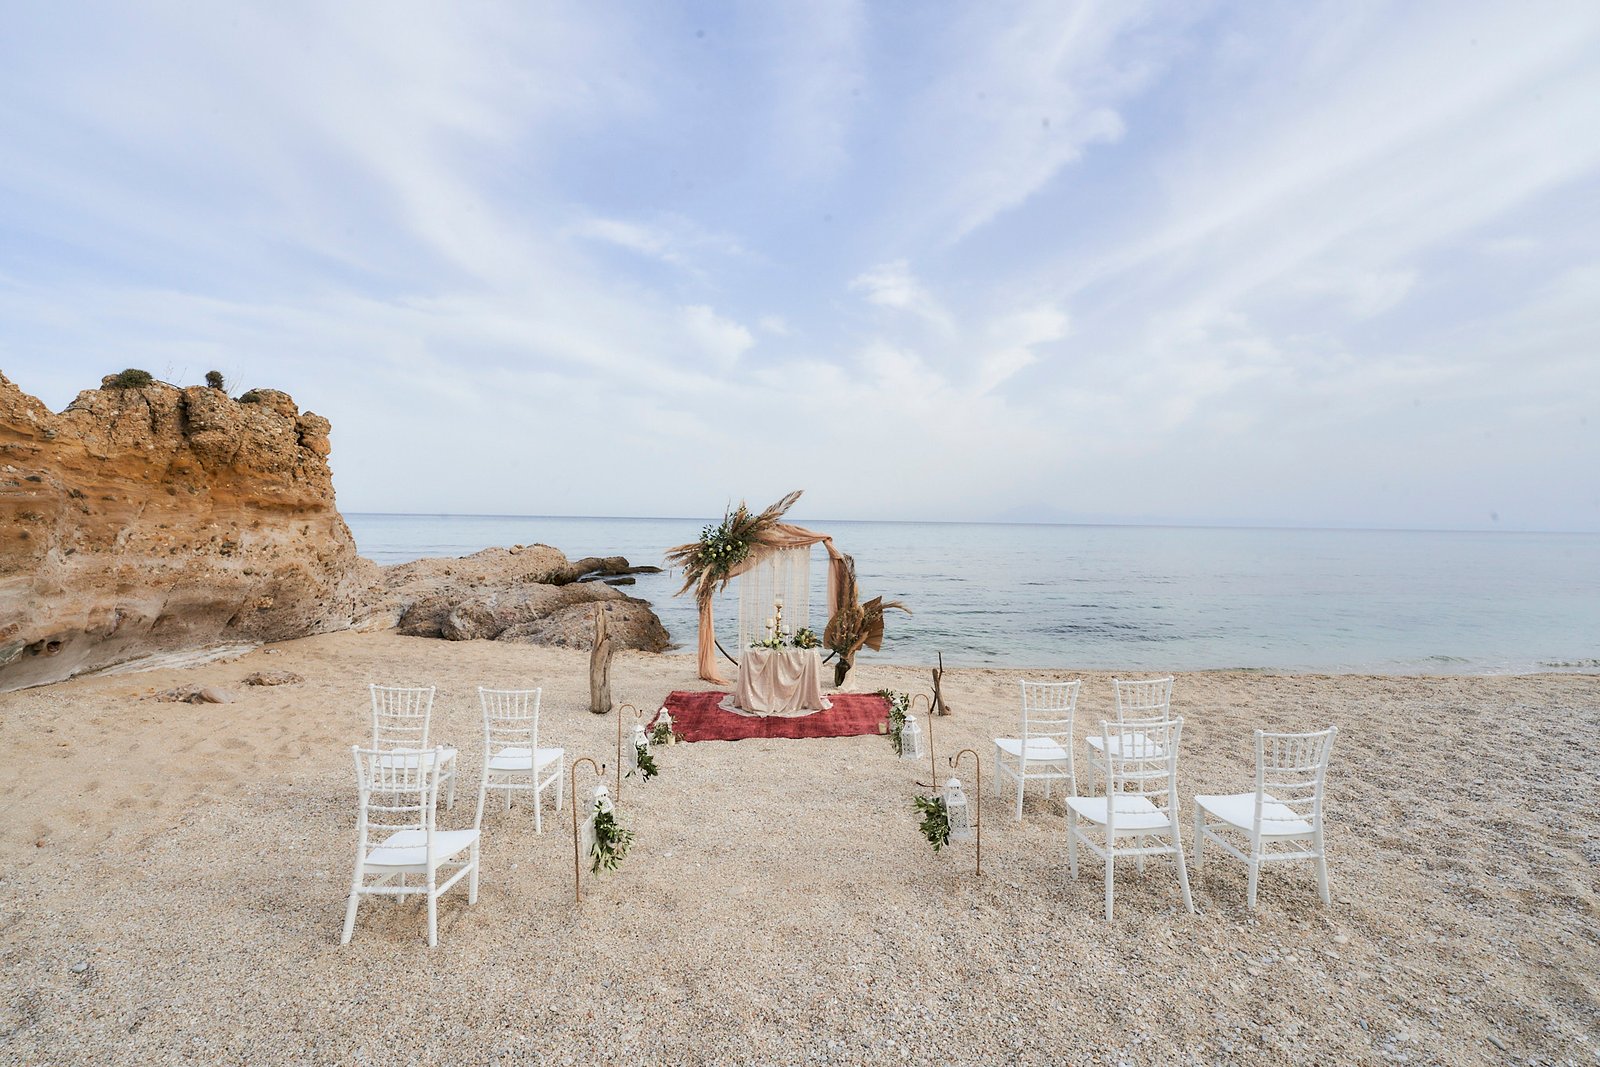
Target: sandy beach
(175,877)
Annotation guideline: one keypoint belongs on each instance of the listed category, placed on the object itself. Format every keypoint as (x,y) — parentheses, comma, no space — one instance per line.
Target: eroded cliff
(149,520)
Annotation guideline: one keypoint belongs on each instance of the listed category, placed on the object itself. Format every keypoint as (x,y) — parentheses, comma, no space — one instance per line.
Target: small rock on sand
(274,678)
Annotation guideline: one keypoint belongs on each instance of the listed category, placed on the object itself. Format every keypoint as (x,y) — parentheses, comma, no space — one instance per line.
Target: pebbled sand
(779,905)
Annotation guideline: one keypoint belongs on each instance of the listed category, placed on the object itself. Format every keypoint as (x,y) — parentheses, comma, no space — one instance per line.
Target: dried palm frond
(707,563)
(856,625)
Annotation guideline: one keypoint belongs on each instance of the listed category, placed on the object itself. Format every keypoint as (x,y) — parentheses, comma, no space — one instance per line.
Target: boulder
(150,520)
(525,593)
(629,622)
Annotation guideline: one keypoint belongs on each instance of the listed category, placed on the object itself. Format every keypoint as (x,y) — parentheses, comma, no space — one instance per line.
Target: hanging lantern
(957,810)
(636,741)
(911,739)
(602,802)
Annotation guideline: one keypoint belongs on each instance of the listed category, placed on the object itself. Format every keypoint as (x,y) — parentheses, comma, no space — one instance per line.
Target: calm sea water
(1137,598)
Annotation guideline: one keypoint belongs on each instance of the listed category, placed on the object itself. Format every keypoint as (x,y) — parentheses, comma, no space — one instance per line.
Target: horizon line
(1120,524)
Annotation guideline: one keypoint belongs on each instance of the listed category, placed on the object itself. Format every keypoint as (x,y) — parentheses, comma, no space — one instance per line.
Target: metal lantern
(637,740)
(911,739)
(664,718)
(602,802)
(957,810)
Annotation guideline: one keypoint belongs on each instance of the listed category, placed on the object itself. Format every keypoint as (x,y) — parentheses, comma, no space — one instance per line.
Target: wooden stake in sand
(600,665)
(939,706)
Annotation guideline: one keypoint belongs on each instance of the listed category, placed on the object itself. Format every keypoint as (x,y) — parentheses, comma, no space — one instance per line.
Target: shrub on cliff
(132,378)
(214,379)
(252,397)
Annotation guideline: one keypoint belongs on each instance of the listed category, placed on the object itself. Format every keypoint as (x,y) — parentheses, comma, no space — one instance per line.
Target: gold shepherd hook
(977,797)
(637,715)
(577,866)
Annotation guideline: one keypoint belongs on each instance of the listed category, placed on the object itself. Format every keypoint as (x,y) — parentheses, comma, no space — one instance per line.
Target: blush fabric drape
(783,535)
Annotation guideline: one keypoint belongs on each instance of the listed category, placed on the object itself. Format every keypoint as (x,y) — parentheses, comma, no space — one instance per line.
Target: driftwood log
(600,665)
(939,706)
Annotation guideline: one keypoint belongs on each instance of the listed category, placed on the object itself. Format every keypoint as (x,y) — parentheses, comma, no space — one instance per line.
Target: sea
(1135,598)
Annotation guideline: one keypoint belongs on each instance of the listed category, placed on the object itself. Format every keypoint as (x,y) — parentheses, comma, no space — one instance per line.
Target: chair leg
(538,806)
(350,910)
(561,780)
(1072,842)
(433,912)
(1322,872)
(1183,869)
(472,879)
(1255,876)
(450,797)
(1199,839)
(1111,870)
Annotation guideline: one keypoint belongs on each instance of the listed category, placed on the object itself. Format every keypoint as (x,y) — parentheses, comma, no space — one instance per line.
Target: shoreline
(779,904)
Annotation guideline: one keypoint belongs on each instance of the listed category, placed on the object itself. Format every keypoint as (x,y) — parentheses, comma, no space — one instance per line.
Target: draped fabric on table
(783,536)
(781,577)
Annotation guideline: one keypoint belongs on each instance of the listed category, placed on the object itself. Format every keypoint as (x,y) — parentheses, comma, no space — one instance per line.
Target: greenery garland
(660,733)
(611,842)
(899,704)
(935,820)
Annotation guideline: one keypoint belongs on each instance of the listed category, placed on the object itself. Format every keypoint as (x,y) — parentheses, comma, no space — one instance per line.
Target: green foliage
(805,637)
(935,821)
(214,379)
(132,378)
(724,547)
(252,397)
(660,733)
(611,842)
(898,703)
(646,764)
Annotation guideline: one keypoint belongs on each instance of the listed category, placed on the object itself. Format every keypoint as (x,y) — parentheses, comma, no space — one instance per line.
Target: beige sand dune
(174,879)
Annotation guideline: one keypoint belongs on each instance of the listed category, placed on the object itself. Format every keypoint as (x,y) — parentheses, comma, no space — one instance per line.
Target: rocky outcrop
(152,520)
(526,593)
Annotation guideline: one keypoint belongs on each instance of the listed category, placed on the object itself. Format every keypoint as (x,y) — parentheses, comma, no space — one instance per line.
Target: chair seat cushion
(522,759)
(1239,809)
(1139,746)
(1042,749)
(408,757)
(1133,812)
(409,848)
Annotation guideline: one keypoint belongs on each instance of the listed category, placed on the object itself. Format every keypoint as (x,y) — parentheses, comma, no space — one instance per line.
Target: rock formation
(526,593)
(146,521)
(154,519)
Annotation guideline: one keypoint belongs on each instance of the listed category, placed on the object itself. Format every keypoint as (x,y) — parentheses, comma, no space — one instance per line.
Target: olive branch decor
(899,704)
(611,842)
(935,820)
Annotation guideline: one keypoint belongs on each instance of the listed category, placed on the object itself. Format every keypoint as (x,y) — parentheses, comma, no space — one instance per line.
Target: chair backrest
(1048,709)
(510,719)
(1294,769)
(400,717)
(1144,698)
(1142,760)
(396,794)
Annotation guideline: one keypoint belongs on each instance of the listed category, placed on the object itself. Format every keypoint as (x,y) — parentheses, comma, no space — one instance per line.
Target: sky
(1260,264)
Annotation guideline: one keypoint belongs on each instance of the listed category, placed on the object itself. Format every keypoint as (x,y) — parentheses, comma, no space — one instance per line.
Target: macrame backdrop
(782,537)
(786,573)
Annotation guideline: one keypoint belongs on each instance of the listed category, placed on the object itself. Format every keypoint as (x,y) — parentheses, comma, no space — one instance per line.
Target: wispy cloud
(1249,262)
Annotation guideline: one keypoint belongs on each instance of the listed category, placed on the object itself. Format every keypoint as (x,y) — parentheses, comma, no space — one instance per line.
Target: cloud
(709,333)
(892,285)
(1247,265)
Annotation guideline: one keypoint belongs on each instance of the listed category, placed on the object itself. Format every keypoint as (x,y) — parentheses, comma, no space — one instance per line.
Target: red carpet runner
(697,717)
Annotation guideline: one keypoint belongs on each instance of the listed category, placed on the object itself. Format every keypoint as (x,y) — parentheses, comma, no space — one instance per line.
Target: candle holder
(577,850)
(968,824)
(638,717)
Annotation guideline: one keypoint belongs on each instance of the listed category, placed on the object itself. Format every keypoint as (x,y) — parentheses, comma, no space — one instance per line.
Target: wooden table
(779,681)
